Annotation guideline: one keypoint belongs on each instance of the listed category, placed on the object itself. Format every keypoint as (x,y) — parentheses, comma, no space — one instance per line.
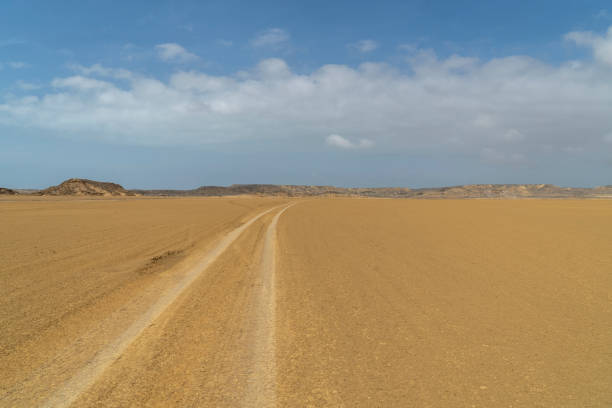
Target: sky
(179,94)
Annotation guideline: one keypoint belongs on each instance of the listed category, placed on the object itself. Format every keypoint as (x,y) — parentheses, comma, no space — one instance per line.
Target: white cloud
(601,45)
(102,71)
(365,46)
(459,63)
(80,83)
(172,52)
(273,68)
(272,37)
(504,110)
(344,143)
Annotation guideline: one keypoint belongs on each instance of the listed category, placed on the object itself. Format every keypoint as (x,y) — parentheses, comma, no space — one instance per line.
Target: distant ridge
(84,187)
(454,192)
(281,190)
(513,191)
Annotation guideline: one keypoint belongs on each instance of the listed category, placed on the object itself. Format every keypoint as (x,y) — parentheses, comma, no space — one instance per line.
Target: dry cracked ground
(262,302)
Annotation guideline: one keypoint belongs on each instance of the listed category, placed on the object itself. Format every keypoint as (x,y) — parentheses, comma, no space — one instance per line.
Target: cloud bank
(504,110)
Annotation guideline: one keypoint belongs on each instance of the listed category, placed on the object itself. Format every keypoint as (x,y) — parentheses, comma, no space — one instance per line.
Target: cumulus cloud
(172,52)
(365,46)
(100,70)
(600,44)
(344,143)
(272,37)
(273,68)
(503,110)
(79,83)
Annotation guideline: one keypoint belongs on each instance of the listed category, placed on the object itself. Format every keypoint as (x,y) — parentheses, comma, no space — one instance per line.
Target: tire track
(261,389)
(88,374)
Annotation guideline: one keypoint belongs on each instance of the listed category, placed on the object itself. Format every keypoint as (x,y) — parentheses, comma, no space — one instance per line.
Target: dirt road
(81,280)
(331,302)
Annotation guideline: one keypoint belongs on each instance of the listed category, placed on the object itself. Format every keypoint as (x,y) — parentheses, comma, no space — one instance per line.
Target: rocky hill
(7,191)
(84,187)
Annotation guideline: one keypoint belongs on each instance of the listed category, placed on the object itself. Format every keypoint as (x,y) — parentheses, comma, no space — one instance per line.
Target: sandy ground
(445,304)
(335,302)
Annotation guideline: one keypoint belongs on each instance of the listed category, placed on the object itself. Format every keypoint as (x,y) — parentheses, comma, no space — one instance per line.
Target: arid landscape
(276,301)
(306,204)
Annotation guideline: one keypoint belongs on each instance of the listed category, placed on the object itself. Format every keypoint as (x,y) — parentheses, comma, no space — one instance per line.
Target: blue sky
(158,94)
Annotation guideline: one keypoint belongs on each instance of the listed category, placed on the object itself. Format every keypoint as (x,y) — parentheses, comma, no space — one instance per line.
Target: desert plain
(272,301)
